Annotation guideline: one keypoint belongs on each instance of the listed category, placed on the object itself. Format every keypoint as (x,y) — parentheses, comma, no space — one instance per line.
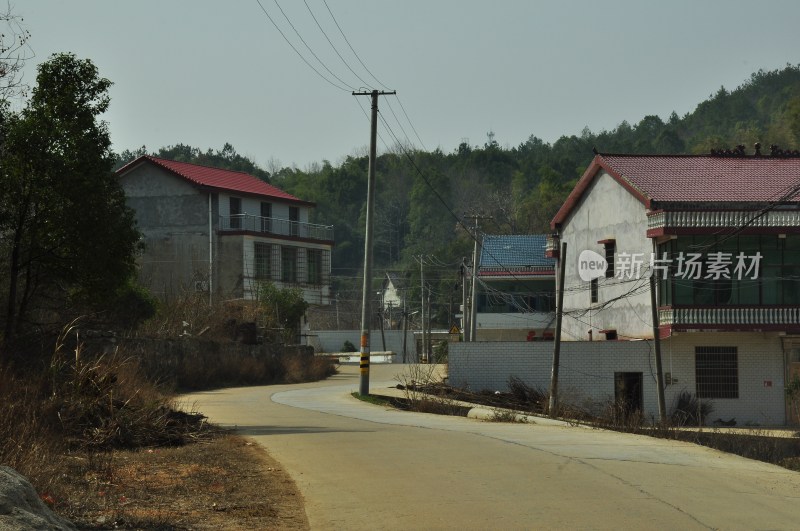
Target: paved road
(361,466)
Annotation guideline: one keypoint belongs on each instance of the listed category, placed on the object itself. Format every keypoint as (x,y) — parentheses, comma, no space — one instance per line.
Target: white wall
(586,371)
(332,341)
(607,211)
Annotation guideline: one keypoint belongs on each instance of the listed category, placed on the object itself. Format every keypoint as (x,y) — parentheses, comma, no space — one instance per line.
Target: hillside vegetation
(421,196)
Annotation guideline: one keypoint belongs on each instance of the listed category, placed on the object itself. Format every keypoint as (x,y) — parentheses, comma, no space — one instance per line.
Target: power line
(297,51)
(332,46)
(351,47)
(309,47)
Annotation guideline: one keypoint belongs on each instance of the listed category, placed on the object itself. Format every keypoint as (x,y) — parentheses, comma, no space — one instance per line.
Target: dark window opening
(314,269)
(610,249)
(716,372)
(289,264)
(263,262)
(594,290)
(611,334)
(266,217)
(235,210)
(294,220)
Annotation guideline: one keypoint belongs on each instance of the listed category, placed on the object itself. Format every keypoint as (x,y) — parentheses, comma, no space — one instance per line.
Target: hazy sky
(204,73)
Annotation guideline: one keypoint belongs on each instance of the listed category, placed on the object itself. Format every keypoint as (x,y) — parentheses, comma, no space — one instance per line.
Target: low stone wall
(194,363)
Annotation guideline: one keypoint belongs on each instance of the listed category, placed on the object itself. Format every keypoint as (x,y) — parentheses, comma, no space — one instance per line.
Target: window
(594,289)
(235,210)
(716,372)
(263,262)
(289,264)
(294,221)
(314,258)
(610,248)
(266,217)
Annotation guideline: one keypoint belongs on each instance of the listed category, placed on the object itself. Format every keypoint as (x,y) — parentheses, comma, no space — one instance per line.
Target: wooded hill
(421,197)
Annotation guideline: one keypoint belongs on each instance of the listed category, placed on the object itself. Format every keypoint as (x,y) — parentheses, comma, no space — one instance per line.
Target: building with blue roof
(516,289)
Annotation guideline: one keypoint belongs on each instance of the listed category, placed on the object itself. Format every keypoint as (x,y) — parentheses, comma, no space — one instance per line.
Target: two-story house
(515,290)
(722,234)
(222,232)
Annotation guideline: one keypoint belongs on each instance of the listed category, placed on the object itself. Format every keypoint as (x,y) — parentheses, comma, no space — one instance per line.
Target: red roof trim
(673,181)
(207,177)
(583,184)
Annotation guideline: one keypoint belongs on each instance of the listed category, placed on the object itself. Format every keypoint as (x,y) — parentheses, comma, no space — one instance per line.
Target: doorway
(628,396)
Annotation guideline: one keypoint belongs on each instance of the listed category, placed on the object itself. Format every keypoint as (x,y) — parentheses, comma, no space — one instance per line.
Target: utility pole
(474,306)
(562,262)
(428,346)
(363,387)
(464,306)
(405,329)
(422,303)
(662,408)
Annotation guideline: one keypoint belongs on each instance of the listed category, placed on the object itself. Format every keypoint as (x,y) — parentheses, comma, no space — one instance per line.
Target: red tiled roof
(693,179)
(227,180)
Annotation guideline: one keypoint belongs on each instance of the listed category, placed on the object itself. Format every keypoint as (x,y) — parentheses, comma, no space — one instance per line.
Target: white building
(723,232)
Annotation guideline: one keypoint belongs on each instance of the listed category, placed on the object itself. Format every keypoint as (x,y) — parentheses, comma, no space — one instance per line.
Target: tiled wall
(586,371)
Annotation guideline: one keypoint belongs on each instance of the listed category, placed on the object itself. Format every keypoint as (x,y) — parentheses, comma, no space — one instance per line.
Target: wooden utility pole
(363,388)
(464,306)
(473,310)
(562,262)
(662,407)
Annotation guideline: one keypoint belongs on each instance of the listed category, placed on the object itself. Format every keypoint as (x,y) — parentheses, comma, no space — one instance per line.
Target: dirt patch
(226,482)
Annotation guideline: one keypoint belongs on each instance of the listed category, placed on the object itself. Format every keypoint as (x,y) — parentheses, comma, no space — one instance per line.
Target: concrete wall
(607,211)
(586,371)
(332,341)
(173,217)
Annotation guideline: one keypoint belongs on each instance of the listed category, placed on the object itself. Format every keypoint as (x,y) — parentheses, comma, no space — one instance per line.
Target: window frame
(716,372)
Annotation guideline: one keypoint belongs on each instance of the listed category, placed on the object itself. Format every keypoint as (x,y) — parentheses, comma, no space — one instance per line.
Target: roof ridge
(673,155)
(157,159)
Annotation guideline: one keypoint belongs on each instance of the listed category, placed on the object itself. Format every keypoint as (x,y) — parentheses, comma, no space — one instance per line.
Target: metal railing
(722,218)
(748,316)
(275,226)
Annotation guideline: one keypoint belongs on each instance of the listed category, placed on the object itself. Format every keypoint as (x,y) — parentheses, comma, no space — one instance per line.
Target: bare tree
(14,51)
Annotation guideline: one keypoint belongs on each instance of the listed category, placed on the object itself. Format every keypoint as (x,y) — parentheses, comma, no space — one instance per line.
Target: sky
(205,73)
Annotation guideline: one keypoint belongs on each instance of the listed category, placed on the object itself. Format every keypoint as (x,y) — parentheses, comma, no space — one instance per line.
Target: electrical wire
(332,45)
(351,47)
(298,51)
(343,82)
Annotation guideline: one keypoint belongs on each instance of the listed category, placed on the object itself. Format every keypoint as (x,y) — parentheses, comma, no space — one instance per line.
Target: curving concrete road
(361,466)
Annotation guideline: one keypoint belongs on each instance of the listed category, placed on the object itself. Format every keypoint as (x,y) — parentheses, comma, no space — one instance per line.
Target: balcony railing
(750,317)
(710,219)
(275,226)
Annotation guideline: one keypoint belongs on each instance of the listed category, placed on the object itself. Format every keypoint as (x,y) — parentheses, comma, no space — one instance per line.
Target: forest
(423,198)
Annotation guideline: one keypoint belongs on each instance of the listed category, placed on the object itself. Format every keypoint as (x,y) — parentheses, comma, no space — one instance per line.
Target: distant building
(393,300)
(516,289)
(222,232)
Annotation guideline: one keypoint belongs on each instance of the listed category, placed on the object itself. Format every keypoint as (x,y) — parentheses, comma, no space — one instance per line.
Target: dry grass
(105,447)
(222,483)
